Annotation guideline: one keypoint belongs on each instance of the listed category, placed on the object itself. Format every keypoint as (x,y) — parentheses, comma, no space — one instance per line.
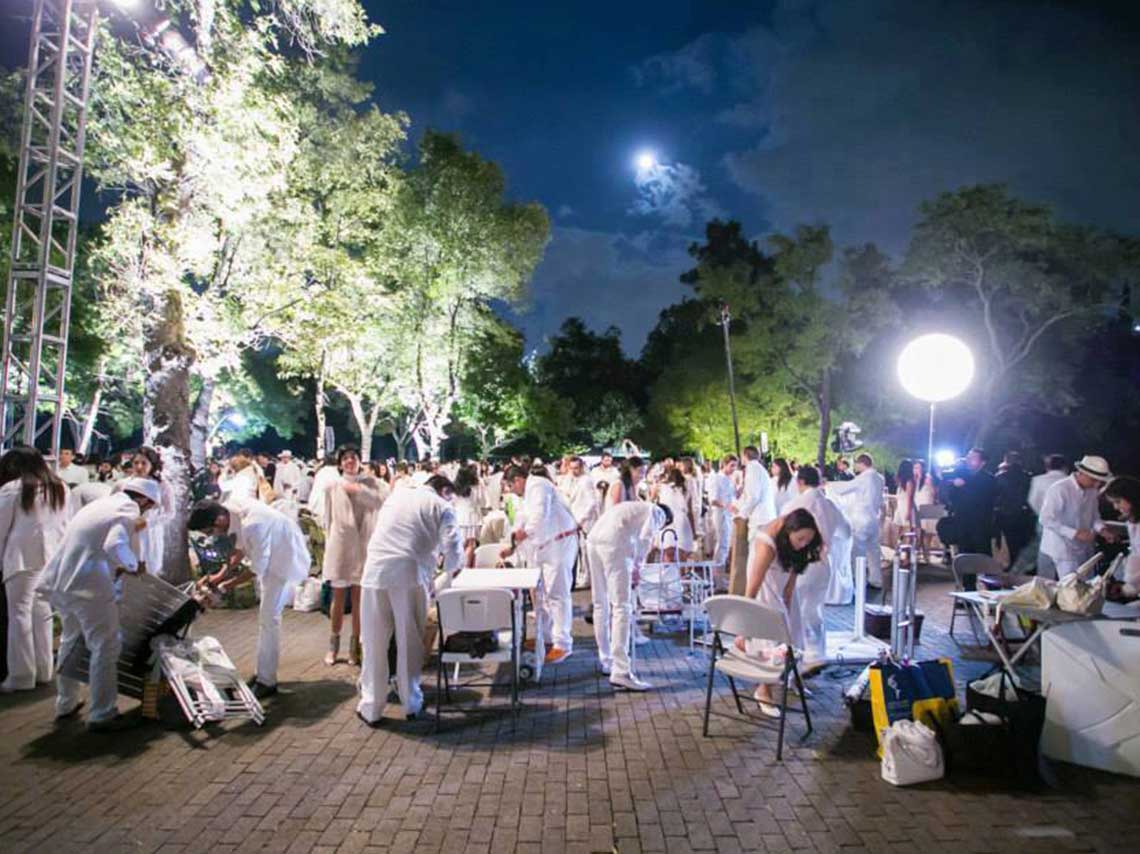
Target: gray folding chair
(966,568)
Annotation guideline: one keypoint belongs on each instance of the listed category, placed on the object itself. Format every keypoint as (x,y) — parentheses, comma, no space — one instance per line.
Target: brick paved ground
(585,770)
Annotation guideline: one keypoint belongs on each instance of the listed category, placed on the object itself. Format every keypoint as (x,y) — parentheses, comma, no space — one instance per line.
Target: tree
(494,387)
(1026,282)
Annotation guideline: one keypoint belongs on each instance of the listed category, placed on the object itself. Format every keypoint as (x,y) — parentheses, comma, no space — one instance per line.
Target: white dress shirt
(757,504)
(1067,509)
(628,529)
(29,539)
(413,526)
(544,515)
(1039,485)
(861,499)
(272,542)
(74,474)
(97,541)
(584,501)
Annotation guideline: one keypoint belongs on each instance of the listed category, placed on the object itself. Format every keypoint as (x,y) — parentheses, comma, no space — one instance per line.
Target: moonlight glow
(645,160)
(936,367)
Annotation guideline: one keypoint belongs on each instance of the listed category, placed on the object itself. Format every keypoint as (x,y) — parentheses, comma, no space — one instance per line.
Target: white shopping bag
(308,597)
(911,754)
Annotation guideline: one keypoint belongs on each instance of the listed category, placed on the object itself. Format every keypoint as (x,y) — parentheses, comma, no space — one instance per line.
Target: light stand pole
(930,442)
(725,318)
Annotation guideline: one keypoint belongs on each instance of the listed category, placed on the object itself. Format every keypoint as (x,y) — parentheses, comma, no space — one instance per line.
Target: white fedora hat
(1094,467)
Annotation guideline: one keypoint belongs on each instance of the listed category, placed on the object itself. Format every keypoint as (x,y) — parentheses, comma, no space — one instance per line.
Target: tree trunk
(200,425)
(166,421)
(92,416)
(823,402)
(320,403)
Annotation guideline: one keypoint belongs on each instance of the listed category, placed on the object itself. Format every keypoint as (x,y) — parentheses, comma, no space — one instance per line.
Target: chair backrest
(932,511)
(485,610)
(973,564)
(487,557)
(744,617)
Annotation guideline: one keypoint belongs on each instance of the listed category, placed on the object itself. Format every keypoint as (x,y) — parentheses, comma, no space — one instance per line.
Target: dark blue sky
(849,112)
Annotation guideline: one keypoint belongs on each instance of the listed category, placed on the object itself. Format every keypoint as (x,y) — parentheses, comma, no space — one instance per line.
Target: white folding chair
(743,617)
(487,556)
(486,610)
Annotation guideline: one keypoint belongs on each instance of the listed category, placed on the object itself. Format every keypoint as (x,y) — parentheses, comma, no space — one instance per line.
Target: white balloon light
(936,367)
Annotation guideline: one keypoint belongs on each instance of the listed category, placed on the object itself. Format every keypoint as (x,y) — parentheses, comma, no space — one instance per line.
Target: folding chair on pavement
(966,568)
(473,613)
(740,616)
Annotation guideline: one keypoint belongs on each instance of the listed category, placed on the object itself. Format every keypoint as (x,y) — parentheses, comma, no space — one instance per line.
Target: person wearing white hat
(278,555)
(1070,518)
(79,581)
(287,478)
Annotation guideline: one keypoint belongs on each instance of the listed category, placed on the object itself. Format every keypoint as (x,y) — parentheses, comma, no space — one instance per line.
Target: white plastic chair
(747,618)
(487,557)
(486,610)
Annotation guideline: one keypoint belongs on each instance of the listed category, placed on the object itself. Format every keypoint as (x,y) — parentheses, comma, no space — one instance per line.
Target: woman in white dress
(781,552)
(673,493)
(925,494)
(151,537)
(468,513)
(33,515)
(784,483)
(905,513)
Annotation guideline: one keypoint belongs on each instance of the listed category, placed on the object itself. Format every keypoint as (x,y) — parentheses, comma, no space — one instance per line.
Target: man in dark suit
(972,505)
(1014,518)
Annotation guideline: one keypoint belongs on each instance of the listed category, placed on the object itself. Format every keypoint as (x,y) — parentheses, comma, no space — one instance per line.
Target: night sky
(849,112)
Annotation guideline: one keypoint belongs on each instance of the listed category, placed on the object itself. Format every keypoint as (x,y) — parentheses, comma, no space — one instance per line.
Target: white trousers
(29,633)
(97,623)
(842,584)
(722,532)
(399,612)
(274,594)
(610,585)
(555,607)
(811,590)
(866,544)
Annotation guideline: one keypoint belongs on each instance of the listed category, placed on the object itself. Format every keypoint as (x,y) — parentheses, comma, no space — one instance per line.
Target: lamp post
(725,318)
(935,368)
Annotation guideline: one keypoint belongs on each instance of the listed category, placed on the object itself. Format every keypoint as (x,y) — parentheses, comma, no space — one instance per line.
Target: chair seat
(739,666)
(503,653)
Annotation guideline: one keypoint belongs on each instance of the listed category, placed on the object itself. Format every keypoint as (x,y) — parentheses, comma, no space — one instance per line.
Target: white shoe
(768,709)
(640,638)
(630,683)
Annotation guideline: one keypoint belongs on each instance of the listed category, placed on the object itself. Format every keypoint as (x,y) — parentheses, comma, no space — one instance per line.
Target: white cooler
(1090,676)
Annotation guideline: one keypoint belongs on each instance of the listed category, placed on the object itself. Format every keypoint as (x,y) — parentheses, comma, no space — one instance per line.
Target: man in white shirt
(862,502)
(1070,519)
(80,581)
(326,475)
(757,503)
(605,471)
(618,546)
(1055,470)
(278,555)
(582,495)
(287,479)
(721,494)
(550,532)
(69,471)
(814,583)
(414,525)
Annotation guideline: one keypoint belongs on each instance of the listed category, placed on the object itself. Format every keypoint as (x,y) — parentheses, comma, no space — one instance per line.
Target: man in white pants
(757,502)
(550,532)
(618,545)
(79,581)
(414,525)
(862,500)
(1070,518)
(813,584)
(278,555)
(721,494)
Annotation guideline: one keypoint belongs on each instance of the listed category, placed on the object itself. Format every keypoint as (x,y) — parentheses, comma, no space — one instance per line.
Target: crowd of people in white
(774,532)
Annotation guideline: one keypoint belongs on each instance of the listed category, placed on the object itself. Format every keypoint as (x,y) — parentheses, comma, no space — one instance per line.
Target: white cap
(285,455)
(143,486)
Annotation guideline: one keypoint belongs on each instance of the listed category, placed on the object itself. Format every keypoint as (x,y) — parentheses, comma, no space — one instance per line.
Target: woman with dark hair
(625,487)
(673,493)
(781,552)
(33,515)
(468,516)
(150,540)
(351,503)
(784,482)
(1124,494)
(905,487)
(381,472)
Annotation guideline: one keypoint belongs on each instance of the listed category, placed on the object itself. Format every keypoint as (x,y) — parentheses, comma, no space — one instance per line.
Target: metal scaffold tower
(37,307)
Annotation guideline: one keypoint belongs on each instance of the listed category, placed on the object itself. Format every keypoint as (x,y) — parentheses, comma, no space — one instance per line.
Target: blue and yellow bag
(922,691)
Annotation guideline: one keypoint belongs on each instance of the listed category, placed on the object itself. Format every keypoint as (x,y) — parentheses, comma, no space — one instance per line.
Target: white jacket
(757,504)
(272,542)
(97,541)
(627,530)
(325,477)
(1067,509)
(861,499)
(544,514)
(28,540)
(413,526)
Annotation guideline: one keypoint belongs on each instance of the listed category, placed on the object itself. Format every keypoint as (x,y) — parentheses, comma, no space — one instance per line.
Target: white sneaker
(640,638)
(630,683)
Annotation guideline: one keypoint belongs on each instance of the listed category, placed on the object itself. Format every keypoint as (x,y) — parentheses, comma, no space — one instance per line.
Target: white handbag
(911,754)
(1078,596)
(308,597)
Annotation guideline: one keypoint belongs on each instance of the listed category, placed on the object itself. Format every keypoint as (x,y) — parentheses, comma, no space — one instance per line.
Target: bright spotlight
(126,5)
(645,161)
(936,367)
(237,419)
(945,458)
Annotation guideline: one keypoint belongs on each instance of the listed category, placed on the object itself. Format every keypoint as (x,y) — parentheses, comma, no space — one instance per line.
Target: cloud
(605,278)
(675,193)
(456,105)
(565,211)
(852,112)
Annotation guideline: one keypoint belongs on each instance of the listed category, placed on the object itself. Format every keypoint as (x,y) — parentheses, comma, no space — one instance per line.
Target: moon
(645,160)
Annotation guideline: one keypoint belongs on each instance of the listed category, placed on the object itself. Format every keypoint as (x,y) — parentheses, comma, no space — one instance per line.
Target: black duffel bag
(474,644)
(1006,744)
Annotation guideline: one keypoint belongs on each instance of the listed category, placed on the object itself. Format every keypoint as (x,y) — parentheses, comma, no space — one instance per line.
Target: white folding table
(515,580)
